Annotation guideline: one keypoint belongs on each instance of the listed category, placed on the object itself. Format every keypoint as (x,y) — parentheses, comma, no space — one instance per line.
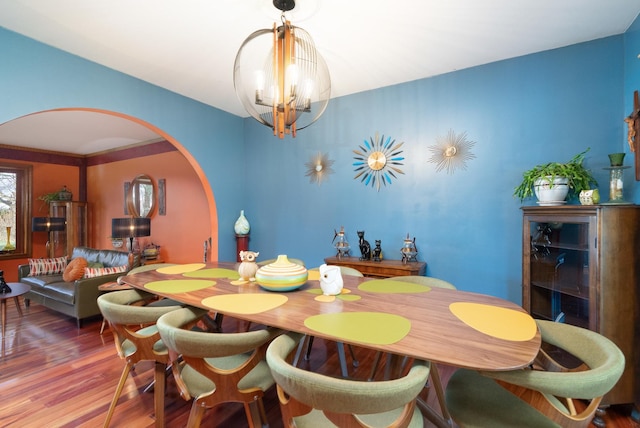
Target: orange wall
(181,232)
(47,178)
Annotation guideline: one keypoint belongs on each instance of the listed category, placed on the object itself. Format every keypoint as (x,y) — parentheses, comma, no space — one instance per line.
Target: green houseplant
(578,177)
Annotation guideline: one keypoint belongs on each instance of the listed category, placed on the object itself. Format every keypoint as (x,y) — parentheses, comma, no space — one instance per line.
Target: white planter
(549,194)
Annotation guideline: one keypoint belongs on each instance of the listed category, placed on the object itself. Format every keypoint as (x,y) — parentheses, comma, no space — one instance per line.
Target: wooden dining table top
(452,327)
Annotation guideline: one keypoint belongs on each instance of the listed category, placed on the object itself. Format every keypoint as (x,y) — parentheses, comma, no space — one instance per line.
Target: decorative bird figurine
(248,266)
(331,281)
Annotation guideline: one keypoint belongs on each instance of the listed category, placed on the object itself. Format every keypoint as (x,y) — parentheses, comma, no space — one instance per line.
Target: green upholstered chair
(344,270)
(214,368)
(424,280)
(310,399)
(542,396)
(137,339)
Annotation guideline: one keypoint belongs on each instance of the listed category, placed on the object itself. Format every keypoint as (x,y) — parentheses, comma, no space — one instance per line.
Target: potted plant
(560,179)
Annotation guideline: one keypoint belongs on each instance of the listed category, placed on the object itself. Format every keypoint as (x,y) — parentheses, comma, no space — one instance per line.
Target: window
(15,209)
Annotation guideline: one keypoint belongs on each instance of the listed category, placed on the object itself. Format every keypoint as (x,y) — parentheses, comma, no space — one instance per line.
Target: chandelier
(280,78)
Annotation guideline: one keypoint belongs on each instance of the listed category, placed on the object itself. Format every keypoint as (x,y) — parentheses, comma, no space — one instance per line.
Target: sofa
(76,298)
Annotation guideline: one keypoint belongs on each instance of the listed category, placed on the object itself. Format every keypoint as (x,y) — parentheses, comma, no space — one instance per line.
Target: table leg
(18,307)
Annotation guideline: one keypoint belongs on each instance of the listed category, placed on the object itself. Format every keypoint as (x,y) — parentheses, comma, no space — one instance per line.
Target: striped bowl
(281,275)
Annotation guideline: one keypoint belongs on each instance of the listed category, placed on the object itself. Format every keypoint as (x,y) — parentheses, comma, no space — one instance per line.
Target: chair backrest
(344,270)
(553,391)
(424,280)
(344,402)
(200,349)
(133,325)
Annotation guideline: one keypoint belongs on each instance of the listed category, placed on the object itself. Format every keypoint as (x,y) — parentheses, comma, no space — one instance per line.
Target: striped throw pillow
(93,272)
(47,266)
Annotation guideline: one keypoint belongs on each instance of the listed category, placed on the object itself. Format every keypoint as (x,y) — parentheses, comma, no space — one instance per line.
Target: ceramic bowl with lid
(282,275)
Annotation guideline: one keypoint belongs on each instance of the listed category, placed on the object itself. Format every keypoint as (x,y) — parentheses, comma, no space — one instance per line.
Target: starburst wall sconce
(280,78)
(319,168)
(451,152)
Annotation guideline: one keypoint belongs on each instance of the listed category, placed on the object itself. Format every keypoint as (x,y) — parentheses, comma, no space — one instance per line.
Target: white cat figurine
(248,267)
(330,280)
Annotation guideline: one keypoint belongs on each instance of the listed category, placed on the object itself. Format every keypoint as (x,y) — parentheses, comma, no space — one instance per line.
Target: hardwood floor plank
(55,375)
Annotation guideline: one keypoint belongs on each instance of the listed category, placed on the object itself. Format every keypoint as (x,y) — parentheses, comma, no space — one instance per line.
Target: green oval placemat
(177,269)
(503,323)
(178,285)
(245,303)
(365,327)
(213,273)
(391,286)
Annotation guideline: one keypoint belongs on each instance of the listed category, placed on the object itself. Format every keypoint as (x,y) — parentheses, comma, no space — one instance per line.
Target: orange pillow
(75,269)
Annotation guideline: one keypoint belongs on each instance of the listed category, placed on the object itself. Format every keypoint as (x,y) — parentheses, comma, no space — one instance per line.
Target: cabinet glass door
(559,263)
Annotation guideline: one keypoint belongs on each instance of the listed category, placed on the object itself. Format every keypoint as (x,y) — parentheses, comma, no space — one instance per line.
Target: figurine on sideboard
(342,246)
(365,247)
(4,287)
(377,251)
(248,266)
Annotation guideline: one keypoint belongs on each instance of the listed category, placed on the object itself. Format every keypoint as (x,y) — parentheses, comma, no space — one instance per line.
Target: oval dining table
(452,327)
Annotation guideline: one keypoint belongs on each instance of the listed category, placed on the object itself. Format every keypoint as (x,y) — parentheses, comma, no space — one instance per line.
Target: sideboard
(381,269)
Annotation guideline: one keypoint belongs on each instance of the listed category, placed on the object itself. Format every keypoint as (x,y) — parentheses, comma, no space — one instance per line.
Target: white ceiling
(189,46)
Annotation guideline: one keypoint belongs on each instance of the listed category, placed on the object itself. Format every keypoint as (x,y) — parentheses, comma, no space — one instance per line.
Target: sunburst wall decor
(319,167)
(451,152)
(377,161)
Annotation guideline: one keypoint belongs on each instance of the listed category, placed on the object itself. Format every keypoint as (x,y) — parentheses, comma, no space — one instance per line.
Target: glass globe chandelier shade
(281,79)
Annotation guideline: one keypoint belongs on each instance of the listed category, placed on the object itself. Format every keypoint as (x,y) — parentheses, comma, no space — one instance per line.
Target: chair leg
(255,413)
(116,395)
(195,416)
(158,393)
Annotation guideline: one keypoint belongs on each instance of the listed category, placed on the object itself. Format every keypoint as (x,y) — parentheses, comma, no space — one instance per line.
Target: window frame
(24,186)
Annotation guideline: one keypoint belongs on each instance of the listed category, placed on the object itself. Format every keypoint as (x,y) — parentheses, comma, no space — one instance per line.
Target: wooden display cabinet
(76,230)
(381,269)
(581,265)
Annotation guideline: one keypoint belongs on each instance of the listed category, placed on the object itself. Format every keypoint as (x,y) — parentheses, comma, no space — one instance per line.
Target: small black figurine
(365,248)
(4,288)
(377,252)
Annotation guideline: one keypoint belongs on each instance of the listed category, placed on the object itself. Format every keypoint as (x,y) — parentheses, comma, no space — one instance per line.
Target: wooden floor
(54,375)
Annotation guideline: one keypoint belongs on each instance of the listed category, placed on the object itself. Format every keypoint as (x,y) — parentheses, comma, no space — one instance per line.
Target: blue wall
(36,77)
(520,112)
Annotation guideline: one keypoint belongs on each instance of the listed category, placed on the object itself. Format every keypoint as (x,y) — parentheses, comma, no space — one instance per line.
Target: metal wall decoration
(377,161)
(451,152)
(319,168)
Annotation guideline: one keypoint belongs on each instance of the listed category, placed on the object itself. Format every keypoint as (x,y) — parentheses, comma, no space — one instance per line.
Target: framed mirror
(141,196)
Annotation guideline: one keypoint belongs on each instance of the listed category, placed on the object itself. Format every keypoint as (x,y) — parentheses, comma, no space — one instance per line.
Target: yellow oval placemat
(245,303)
(365,327)
(213,273)
(313,275)
(178,285)
(391,286)
(177,269)
(503,323)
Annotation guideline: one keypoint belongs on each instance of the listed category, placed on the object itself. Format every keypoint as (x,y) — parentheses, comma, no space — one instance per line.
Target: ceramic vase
(241,226)
(282,275)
